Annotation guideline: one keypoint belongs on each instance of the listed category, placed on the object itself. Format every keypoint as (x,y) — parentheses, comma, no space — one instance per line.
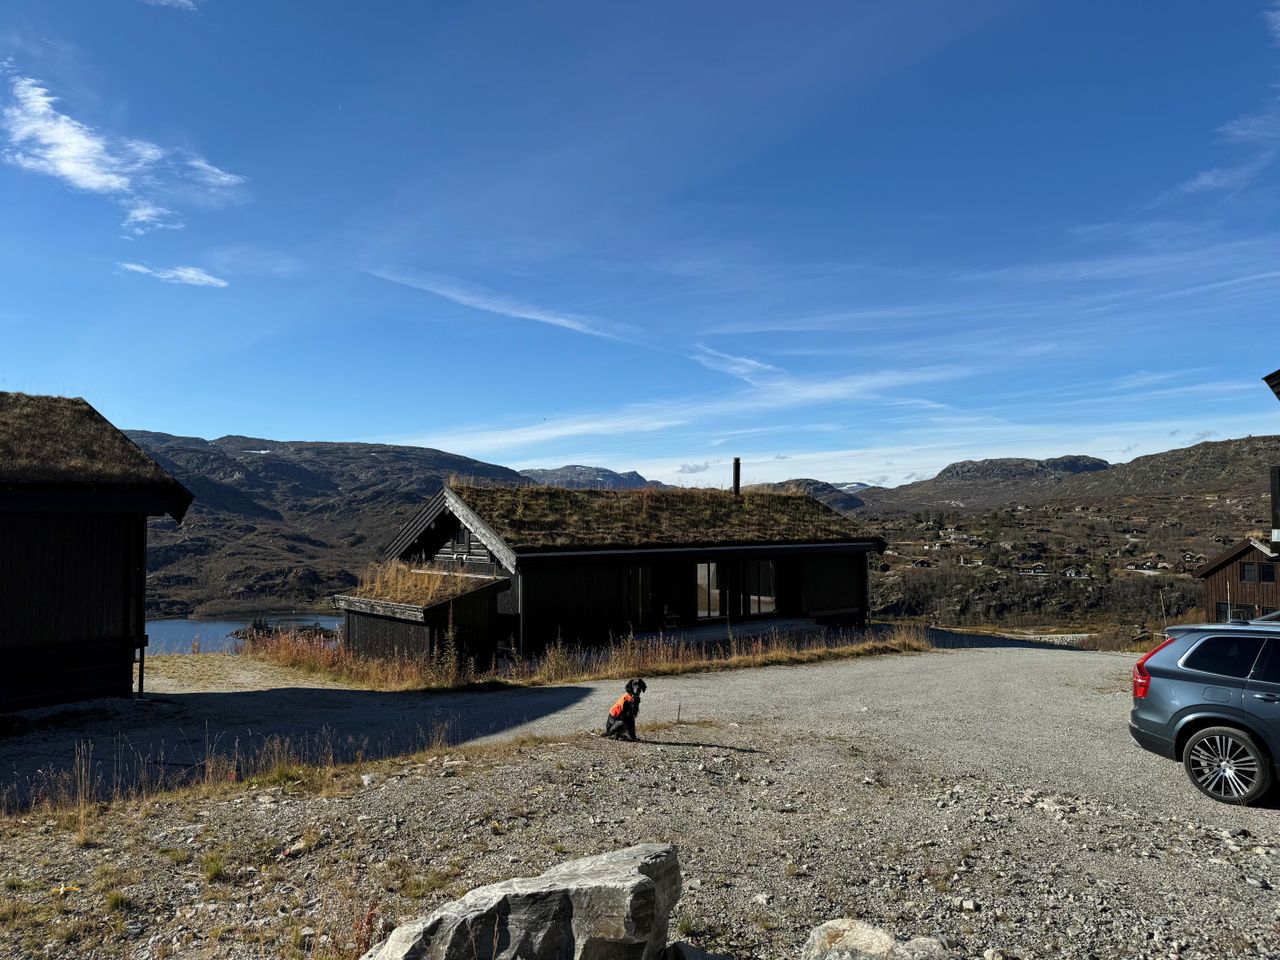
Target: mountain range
(282,525)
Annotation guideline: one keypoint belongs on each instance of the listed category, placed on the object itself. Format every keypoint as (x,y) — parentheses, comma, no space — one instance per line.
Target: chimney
(1275,506)
(737,479)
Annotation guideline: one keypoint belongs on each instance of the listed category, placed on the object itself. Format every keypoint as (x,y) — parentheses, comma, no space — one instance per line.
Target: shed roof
(538,518)
(51,445)
(1232,553)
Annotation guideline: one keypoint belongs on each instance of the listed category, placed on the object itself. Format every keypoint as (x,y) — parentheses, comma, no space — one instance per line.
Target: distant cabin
(537,565)
(75,495)
(1241,582)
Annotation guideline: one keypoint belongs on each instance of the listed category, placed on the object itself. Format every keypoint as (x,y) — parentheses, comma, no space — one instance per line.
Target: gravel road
(990,797)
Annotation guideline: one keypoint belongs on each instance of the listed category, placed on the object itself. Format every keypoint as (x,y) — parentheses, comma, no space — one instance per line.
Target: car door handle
(1268,697)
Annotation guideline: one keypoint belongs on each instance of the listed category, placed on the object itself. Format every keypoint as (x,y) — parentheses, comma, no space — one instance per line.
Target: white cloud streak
(188,5)
(142,177)
(477,299)
(192,276)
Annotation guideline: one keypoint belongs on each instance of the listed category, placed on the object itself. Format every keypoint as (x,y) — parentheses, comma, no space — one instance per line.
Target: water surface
(214,636)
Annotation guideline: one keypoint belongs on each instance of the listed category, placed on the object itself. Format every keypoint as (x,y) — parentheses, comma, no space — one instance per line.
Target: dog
(622,715)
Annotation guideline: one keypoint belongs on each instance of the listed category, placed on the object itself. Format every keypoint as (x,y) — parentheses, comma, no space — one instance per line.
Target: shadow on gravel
(166,740)
(698,745)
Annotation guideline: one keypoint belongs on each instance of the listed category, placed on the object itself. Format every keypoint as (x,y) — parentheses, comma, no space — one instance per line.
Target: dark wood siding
(478,626)
(586,600)
(71,587)
(1251,598)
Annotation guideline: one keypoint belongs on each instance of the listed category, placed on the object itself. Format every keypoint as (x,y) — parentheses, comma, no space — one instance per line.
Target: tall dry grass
(628,656)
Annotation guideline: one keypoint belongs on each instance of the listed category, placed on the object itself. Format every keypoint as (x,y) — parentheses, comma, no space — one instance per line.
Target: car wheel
(1226,764)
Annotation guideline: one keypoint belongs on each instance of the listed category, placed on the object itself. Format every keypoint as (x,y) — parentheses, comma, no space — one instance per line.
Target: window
(462,542)
(710,599)
(1267,572)
(1222,613)
(759,593)
(1249,572)
(1225,656)
(1268,669)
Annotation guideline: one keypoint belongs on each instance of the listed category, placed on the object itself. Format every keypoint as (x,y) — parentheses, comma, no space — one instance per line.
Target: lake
(176,636)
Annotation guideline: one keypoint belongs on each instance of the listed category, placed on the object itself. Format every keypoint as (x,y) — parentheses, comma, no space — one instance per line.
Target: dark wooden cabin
(580,566)
(75,495)
(1242,582)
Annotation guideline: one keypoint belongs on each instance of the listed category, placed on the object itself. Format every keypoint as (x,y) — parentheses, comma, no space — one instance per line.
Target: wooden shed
(1242,582)
(75,495)
(580,566)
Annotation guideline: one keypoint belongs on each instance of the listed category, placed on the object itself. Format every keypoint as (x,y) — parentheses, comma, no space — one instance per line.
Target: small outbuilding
(541,564)
(1242,582)
(75,495)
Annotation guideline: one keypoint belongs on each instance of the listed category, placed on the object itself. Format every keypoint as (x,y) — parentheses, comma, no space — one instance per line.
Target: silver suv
(1209,696)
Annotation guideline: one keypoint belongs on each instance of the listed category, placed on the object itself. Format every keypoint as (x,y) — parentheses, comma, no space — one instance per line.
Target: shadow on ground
(166,739)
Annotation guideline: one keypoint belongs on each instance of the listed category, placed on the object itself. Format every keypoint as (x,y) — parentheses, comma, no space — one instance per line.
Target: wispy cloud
(744,368)
(187,5)
(142,177)
(1271,16)
(193,276)
(688,468)
(476,298)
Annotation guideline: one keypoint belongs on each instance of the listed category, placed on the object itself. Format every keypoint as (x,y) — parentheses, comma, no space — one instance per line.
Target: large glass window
(710,598)
(1225,656)
(759,593)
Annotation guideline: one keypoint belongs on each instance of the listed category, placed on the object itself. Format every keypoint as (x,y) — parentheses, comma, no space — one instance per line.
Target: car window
(1268,670)
(1227,656)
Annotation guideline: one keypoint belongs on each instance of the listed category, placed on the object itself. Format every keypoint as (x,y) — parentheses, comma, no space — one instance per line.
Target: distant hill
(1224,466)
(282,525)
(829,494)
(577,477)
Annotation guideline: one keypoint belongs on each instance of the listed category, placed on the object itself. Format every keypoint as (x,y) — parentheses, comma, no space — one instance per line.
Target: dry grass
(628,657)
(401,583)
(546,517)
(65,440)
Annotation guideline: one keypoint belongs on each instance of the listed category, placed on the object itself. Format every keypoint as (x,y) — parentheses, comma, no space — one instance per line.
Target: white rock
(615,905)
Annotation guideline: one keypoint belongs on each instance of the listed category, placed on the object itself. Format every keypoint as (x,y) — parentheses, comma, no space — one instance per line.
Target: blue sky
(851,241)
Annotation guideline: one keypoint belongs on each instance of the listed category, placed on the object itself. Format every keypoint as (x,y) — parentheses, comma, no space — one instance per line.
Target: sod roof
(64,442)
(546,518)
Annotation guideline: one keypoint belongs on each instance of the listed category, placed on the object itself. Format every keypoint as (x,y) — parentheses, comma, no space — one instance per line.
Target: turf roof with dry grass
(400,583)
(544,518)
(63,441)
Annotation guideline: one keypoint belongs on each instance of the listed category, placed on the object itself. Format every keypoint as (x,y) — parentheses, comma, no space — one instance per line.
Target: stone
(847,939)
(614,905)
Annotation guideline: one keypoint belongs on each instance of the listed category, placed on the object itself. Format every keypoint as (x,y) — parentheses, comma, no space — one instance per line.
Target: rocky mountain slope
(283,525)
(578,477)
(1227,467)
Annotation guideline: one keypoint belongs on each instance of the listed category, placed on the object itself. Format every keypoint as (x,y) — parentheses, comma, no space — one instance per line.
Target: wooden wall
(585,600)
(72,601)
(1259,597)
(479,628)
(467,554)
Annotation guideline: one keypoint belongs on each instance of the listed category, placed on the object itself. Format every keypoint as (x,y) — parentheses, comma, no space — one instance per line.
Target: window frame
(1270,568)
(713,577)
(1182,661)
(1249,572)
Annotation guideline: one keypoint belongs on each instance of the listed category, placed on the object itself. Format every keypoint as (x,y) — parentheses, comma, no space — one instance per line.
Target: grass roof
(64,441)
(400,583)
(537,517)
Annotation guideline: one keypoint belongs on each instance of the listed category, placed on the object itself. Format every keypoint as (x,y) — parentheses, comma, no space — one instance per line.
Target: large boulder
(854,940)
(614,906)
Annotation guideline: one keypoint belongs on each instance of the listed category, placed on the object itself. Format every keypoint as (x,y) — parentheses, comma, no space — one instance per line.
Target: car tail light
(1142,679)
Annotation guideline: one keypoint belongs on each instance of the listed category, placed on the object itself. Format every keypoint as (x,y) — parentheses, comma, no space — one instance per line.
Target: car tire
(1227,765)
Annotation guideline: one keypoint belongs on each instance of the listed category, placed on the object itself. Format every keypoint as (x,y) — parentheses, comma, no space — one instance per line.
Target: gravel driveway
(988,797)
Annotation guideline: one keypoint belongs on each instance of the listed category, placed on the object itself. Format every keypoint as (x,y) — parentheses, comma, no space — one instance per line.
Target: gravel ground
(989,797)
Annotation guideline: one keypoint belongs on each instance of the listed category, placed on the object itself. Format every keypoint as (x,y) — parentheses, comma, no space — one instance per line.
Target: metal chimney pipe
(737,476)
